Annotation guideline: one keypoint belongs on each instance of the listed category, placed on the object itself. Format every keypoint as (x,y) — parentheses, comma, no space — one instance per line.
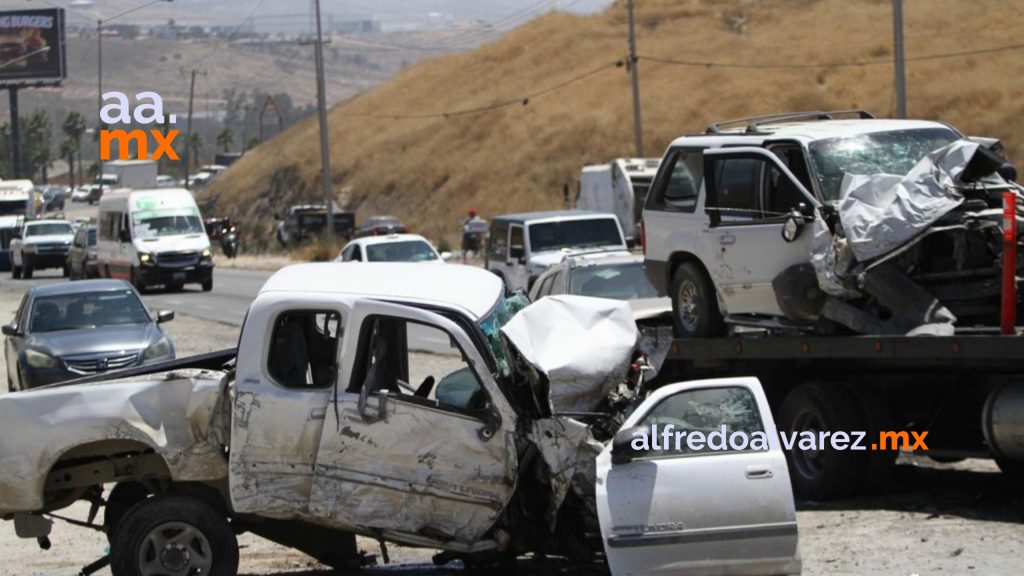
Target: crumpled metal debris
(582,346)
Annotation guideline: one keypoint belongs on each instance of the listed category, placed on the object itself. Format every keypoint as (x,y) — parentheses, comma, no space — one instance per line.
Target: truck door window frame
(755,216)
(362,363)
(335,367)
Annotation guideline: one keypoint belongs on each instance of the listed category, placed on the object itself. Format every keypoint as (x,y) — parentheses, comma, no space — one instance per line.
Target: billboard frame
(62,72)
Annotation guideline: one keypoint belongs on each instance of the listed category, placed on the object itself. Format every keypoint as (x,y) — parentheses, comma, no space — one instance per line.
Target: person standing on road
(473,227)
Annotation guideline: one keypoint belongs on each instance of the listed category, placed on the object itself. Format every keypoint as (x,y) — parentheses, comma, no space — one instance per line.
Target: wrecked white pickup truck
(414,405)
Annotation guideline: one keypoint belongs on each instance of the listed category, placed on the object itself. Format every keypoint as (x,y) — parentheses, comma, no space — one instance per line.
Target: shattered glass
(504,310)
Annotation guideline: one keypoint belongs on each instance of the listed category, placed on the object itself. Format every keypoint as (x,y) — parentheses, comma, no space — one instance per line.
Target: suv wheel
(173,534)
(695,311)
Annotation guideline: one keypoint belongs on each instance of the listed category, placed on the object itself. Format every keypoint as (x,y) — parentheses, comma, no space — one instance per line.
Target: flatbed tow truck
(966,391)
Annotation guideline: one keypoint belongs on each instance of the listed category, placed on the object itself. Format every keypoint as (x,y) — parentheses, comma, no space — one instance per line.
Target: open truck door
(674,509)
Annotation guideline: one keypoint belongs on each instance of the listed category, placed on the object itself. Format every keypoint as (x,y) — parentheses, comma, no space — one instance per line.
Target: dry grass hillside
(429,170)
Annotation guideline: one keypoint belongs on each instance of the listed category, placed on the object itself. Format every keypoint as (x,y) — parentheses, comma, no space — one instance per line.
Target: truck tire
(123,497)
(824,474)
(208,285)
(173,534)
(695,311)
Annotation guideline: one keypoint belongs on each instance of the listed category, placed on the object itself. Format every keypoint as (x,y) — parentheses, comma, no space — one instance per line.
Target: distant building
(354,27)
(169,31)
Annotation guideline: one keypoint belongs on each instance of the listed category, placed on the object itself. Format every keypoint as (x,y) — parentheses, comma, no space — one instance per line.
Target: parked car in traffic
(520,247)
(606,275)
(66,331)
(81,259)
(38,245)
(380,225)
(390,248)
(307,221)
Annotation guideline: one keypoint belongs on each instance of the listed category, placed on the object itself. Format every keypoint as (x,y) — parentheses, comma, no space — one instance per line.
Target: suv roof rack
(754,122)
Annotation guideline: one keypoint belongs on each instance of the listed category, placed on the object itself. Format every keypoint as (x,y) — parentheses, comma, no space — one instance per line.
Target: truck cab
(392,401)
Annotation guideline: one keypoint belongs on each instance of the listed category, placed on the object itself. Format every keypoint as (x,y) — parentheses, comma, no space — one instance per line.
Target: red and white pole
(1008,318)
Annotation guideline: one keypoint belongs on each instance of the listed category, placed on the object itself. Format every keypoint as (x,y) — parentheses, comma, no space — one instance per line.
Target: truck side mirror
(793,226)
(622,445)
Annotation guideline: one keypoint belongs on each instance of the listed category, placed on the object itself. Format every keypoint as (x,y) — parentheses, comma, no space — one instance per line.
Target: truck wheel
(121,499)
(208,285)
(173,534)
(695,311)
(827,473)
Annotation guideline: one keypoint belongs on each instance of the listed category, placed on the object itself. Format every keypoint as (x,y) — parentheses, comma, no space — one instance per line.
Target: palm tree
(195,144)
(67,151)
(226,138)
(74,128)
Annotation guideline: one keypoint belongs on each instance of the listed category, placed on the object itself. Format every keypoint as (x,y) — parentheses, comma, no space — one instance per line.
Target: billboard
(32,47)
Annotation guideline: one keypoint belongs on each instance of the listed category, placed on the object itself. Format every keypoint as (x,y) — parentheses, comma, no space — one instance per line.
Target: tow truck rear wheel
(173,534)
(824,473)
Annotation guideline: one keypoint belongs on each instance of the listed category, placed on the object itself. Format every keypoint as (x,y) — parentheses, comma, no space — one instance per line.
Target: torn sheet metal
(582,345)
(881,212)
(570,452)
(168,413)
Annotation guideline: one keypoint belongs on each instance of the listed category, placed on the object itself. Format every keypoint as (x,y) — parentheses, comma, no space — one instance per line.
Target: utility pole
(188,129)
(321,102)
(638,131)
(901,80)
(99,101)
(15,135)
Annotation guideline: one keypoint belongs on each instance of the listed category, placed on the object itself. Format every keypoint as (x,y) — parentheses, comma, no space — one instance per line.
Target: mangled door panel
(282,391)
(671,508)
(419,442)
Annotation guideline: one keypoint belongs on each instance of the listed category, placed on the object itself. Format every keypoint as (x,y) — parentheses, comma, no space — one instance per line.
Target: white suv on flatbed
(723,219)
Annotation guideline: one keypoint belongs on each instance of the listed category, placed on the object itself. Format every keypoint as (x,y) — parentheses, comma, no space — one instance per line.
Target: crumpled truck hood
(172,414)
(580,347)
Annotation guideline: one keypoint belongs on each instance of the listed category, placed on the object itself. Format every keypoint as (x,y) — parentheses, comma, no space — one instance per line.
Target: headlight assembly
(145,258)
(161,349)
(37,359)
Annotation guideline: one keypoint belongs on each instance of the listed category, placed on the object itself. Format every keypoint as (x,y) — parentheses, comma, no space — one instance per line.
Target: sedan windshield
(894,152)
(575,234)
(86,310)
(50,229)
(408,251)
(617,281)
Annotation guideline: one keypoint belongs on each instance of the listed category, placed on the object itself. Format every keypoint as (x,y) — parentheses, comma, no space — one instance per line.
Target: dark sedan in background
(70,330)
(380,226)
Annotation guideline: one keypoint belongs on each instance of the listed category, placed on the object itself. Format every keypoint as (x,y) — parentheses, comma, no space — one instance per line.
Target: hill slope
(428,170)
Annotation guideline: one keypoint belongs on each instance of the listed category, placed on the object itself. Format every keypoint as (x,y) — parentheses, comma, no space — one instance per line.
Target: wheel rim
(808,463)
(688,300)
(175,549)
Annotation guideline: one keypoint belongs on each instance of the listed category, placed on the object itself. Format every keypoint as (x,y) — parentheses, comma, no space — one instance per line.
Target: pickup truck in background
(40,244)
(412,404)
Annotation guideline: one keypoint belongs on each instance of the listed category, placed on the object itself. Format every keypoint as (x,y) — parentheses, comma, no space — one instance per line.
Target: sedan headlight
(37,359)
(161,349)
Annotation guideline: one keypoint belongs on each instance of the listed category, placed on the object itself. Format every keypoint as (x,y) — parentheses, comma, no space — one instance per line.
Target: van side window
(304,349)
(108,225)
(680,181)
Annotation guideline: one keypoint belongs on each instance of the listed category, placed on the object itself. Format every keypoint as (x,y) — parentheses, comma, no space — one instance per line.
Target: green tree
(252,143)
(36,150)
(194,144)
(68,148)
(74,127)
(226,138)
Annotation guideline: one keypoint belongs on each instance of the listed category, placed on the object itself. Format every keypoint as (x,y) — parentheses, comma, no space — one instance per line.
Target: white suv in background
(727,222)
(521,247)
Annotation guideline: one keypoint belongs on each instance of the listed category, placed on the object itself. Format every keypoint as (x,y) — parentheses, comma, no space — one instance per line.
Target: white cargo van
(619,187)
(151,237)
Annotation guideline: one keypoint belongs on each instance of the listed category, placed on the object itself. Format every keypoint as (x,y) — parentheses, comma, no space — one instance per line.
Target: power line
(842,64)
(521,100)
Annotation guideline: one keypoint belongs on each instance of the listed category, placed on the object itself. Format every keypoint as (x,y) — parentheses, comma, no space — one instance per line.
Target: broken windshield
(895,152)
(491,324)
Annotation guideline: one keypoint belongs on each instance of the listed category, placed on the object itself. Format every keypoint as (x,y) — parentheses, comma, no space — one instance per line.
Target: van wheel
(827,473)
(695,311)
(173,534)
(208,285)
(137,281)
